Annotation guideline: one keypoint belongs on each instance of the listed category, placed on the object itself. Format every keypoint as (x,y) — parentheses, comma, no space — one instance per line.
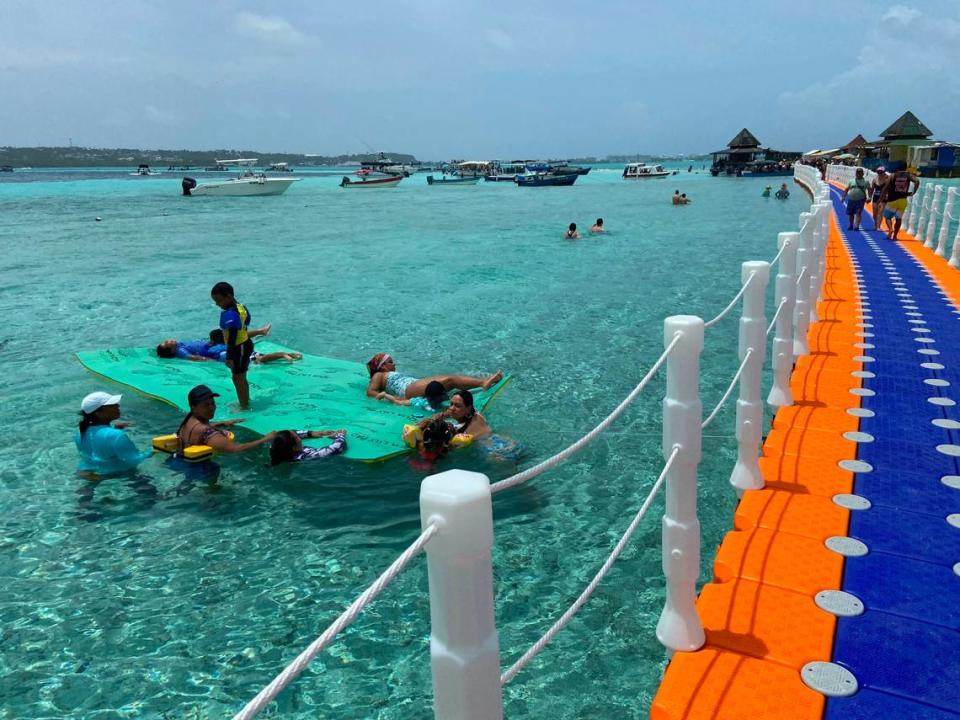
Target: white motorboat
(641,171)
(246,184)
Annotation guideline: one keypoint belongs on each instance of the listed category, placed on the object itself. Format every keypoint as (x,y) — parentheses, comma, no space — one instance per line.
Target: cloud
(500,39)
(901,14)
(13,58)
(161,116)
(273,29)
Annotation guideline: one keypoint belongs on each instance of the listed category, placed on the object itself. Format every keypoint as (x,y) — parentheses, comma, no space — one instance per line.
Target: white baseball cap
(96,400)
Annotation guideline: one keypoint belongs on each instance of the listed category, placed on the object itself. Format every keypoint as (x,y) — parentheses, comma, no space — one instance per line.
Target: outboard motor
(188,184)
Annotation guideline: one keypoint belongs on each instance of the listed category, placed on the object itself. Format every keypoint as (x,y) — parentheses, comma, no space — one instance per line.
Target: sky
(471,78)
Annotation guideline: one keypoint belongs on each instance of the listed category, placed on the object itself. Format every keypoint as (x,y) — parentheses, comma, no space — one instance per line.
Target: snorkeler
(387,384)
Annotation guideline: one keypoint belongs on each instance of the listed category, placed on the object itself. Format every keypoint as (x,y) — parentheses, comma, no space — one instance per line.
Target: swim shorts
(855,206)
(238,357)
(898,205)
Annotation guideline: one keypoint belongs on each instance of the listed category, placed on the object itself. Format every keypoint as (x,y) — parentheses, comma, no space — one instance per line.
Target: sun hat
(435,392)
(96,400)
(199,394)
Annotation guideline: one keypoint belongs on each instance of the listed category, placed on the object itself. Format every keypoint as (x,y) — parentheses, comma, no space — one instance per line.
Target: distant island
(73,156)
(121,157)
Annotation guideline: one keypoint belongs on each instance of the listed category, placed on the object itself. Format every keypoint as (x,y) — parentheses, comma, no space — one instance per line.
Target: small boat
(431,180)
(384,182)
(642,171)
(144,170)
(388,166)
(505,172)
(6,168)
(546,180)
(248,183)
(279,167)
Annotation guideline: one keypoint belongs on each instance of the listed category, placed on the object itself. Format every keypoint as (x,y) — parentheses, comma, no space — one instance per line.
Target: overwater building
(745,155)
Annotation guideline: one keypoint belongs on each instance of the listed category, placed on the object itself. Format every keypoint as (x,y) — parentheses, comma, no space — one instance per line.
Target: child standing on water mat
(235,321)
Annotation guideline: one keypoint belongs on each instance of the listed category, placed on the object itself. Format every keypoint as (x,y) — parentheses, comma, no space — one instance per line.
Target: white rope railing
(773,323)
(602,573)
(539,468)
(726,394)
(290,673)
(801,275)
(728,308)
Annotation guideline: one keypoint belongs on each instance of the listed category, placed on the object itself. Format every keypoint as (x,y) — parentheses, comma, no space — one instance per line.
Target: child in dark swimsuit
(288,445)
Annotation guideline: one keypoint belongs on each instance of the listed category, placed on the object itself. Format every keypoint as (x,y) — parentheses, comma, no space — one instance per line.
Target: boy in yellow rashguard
(235,321)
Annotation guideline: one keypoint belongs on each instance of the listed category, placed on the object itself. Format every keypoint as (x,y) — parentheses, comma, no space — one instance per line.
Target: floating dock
(837,593)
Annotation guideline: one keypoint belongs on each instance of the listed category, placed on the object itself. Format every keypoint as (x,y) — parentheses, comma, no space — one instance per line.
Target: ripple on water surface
(165,594)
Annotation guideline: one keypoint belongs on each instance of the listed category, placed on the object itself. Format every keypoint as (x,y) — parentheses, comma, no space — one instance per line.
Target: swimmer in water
(104,447)
(572,233)
(387,384)
(597,226)
(766,191)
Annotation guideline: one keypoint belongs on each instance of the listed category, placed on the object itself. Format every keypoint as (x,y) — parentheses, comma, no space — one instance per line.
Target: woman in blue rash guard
(104,447)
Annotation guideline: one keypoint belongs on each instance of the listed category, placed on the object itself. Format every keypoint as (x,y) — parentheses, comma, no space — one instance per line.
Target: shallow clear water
(177,596)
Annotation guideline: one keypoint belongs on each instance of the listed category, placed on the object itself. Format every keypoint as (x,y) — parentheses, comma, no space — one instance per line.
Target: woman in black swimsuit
(197,428)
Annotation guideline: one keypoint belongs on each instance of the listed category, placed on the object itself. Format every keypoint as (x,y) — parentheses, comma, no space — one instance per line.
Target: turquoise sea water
(178,597)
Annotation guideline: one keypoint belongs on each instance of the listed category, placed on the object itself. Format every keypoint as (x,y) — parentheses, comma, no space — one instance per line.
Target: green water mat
(314,393)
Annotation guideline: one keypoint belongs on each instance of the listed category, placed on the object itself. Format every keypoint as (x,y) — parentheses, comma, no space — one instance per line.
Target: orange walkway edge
(761,622)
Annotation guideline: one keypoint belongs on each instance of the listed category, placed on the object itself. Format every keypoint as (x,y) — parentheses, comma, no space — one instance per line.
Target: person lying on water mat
(387,384)
(215,349)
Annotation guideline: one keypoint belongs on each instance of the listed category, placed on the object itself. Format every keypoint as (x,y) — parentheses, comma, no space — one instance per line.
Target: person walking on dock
(899,187)
(855,195)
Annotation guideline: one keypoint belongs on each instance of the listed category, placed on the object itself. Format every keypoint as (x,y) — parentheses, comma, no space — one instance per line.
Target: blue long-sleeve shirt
(105,450)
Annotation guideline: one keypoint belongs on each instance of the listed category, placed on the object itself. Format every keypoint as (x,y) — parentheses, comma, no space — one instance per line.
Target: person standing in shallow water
(104,447)
(572,233)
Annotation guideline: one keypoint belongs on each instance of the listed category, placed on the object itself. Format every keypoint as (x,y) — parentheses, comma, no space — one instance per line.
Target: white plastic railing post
(785,292)
(824,241)
(932,223)
(464,648)
(679,627)
(924,210)
(945,224)
(814,276)
(954,260)
(801,317)
(913,211)
(753,339)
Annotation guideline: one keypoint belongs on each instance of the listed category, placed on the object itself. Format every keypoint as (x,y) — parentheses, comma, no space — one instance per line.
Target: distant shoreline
(72,156)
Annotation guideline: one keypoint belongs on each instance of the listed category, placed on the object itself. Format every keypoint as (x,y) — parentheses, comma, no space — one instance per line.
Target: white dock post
(932,223)
(785,292)
(954,260)
(814,276)
(753,339)
(464,648)
(924,208)
(679,627)
(912,216)
(824,241)
(801,318)
(945,224)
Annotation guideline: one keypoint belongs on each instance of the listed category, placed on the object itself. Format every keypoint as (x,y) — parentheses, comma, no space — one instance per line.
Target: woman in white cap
(104,448)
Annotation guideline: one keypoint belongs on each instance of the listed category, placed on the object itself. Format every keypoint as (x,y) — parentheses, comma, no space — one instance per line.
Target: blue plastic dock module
(905,648)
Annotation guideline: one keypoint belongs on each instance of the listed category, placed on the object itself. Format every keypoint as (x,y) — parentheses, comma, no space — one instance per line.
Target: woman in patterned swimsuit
(387,384)
(197,428)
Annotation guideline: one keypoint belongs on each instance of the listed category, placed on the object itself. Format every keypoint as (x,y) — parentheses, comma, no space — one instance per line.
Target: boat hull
(451,181)
(387,182)
(246,187)
(547,180)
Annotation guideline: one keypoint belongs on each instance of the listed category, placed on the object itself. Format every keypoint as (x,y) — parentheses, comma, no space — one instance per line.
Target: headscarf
(375,363)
